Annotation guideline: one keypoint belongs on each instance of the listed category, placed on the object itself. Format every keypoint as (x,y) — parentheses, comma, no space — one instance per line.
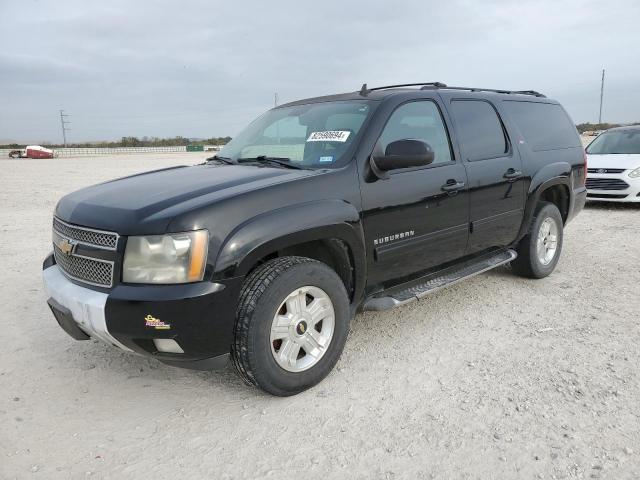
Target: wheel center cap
(301,328)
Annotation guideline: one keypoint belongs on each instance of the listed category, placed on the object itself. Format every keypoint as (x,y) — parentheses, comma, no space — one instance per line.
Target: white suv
(613,159)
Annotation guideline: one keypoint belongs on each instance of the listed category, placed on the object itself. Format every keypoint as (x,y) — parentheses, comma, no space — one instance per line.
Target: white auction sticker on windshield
(329,136)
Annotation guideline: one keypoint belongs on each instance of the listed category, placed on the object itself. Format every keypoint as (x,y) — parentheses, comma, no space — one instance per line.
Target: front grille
(605,170)
(89,236)
(606,195)
(606,184)
(81,247)
(88,270)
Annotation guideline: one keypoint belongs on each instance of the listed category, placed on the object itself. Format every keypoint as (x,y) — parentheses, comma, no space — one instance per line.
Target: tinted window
(617,141)
(545,126)
(480,130)
(418,121)
(284,129)
(314,135)
(350,121)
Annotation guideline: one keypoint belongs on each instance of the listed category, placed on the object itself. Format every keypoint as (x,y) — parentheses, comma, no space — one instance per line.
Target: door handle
(512,174)
(452,186)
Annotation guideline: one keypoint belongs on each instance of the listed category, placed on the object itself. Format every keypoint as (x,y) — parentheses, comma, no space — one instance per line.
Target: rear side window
(479,130)
(545,126)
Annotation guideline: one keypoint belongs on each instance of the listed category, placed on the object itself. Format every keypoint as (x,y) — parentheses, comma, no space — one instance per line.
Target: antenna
(63,124)
(601,95)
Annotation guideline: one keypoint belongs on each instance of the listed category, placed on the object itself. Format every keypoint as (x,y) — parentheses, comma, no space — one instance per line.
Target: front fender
(288,226)
(558,173)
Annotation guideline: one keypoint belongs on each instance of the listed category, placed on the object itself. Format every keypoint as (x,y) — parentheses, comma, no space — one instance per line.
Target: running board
(431,283)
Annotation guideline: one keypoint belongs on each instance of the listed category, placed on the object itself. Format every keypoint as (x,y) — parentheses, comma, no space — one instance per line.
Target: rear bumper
(144,319)
(577,202)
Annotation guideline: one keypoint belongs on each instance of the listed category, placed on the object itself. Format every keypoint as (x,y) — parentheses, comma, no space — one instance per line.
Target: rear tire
(285,343)
(539,251)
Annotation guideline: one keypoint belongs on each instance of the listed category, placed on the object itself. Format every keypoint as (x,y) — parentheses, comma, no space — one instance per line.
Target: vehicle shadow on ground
(141,372)
(504,271)
(127,367)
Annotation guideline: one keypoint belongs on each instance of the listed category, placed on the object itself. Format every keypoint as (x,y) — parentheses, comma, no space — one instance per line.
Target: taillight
(584,175)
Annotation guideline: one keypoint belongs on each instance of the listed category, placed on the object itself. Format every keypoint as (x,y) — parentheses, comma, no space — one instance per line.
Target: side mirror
(401,154)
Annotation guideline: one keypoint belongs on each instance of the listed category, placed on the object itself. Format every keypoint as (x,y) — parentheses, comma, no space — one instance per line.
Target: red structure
(36,151)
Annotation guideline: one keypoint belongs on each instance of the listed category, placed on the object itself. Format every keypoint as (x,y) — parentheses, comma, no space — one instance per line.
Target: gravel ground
(496,377)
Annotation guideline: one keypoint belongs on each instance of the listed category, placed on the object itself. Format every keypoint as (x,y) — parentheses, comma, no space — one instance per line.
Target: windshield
(621,141)
(315,135)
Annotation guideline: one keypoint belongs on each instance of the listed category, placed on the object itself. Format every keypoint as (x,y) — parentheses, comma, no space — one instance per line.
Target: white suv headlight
(635,173)
(171,258)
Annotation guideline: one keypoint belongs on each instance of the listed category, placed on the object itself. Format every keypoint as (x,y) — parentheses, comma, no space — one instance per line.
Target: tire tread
(523,264)
(254,287)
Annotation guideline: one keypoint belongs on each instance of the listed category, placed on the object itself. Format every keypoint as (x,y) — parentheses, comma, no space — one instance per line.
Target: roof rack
(364,90)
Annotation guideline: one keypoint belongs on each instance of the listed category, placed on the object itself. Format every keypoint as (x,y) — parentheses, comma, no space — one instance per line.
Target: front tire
(539,251)
(291,325)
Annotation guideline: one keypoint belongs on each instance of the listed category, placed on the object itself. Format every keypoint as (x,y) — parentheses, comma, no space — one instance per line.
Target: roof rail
(364,91)
(512,92)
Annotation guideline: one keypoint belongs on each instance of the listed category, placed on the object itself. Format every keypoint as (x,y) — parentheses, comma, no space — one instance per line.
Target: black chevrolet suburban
(319,209)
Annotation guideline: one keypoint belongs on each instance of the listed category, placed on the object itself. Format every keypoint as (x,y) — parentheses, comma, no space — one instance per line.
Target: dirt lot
(497,377)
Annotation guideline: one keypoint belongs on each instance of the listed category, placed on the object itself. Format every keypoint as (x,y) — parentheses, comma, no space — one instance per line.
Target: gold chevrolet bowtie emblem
(65,246)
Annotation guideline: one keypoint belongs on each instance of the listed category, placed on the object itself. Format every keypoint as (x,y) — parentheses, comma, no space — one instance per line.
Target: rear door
(494,172)
(410,222)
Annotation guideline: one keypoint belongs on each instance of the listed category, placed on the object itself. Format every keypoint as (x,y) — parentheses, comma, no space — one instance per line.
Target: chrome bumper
(87,306)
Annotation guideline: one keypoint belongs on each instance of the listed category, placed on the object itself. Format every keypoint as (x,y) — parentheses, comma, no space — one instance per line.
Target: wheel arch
(329,231)
(552,184)
(558,194)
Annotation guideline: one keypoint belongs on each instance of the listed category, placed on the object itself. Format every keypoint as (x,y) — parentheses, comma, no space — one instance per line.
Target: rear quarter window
(545,126)
(479,129)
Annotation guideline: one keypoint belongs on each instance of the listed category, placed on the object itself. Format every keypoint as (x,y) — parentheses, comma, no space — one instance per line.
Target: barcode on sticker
(329,136)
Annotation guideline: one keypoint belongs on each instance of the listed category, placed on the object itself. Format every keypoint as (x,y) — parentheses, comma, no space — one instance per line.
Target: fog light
(166,345)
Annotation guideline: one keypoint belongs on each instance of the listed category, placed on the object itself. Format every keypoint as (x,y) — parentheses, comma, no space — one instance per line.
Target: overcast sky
(206,68)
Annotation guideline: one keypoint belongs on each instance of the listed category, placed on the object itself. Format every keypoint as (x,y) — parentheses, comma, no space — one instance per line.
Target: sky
(206,68)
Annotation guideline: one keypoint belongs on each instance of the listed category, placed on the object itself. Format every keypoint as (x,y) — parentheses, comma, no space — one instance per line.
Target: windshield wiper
(226,160)
(282,161)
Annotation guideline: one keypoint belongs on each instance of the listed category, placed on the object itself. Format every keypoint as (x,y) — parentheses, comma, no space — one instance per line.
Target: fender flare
(558,173)
(288,226)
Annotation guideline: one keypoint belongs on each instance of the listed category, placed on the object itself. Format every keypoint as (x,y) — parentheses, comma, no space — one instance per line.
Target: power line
(63,124)
(601,95)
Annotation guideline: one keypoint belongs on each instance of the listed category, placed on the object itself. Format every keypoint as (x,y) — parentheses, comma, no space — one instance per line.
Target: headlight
(635,173)
(171,258)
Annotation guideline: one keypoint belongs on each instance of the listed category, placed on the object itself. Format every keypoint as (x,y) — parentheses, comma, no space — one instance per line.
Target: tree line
(183,141)
(590,127)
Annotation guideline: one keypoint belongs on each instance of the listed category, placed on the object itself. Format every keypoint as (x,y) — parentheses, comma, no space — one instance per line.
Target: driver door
(412,221)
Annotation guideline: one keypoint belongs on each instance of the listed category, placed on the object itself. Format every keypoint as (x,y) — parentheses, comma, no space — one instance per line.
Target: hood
(146,203)
(618,160)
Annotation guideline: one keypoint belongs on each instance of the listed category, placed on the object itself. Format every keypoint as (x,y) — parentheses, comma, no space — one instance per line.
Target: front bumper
(629,194)
(198,317)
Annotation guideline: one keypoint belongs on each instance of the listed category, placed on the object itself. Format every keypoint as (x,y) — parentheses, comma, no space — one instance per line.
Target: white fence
(78,152)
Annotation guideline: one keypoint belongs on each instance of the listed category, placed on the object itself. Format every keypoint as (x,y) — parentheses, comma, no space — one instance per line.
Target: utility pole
(63,124)
(601,95)
(275,99)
